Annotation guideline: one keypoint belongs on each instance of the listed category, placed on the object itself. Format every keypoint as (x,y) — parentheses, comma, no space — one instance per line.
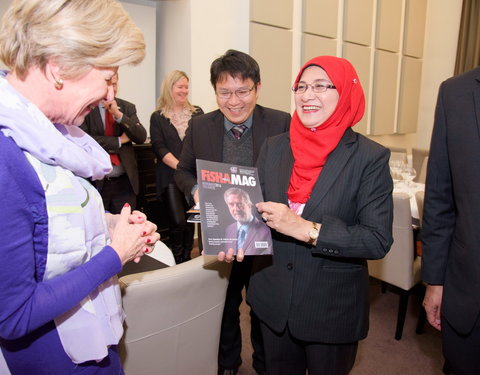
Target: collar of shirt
(229,125)
(244,226)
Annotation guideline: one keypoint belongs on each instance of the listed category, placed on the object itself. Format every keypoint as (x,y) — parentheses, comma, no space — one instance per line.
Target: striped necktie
(238,130)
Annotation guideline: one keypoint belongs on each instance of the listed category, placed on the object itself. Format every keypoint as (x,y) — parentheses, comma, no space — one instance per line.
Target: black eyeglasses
(317,87)
(240,93)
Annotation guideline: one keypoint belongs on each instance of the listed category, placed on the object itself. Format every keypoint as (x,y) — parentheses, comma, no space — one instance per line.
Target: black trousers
(286,355)
(116,192)
(181,232)
(462,352)
(230,335)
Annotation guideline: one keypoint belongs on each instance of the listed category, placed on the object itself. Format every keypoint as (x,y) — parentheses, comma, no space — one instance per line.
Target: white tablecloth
(410,189)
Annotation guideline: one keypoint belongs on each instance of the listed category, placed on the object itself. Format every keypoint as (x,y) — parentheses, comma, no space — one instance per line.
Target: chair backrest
(162,253)
(422,174)
(173,318)
(419,163)
(399,267)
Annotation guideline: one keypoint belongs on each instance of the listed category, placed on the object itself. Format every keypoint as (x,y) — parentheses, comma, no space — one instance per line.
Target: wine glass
(408,174)
(396,166)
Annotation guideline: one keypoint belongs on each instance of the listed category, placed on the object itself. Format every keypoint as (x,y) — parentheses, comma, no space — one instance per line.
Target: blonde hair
(75,34)
(166,102)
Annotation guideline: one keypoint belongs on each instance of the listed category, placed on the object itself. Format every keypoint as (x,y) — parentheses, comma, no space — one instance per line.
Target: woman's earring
(58,84)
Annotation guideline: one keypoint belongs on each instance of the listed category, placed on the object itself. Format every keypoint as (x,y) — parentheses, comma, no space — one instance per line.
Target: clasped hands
(132,234)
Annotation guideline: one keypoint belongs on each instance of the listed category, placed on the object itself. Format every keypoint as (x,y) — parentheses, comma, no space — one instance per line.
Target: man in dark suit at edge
(450,226)
(115,125)
(232,134)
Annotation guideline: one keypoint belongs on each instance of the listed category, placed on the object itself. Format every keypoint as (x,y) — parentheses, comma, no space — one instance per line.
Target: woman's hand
(280,217)
(132,235)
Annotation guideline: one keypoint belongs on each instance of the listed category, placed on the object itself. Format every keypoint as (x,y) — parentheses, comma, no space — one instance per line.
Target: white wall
(192,33)
(443,23)
(137,84)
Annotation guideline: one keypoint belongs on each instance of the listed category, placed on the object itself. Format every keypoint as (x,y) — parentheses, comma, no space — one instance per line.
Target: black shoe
(227,371)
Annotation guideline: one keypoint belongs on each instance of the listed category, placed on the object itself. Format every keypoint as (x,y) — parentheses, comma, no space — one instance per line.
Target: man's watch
(313,234)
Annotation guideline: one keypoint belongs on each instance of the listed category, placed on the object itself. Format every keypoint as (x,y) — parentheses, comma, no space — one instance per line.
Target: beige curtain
(468,50)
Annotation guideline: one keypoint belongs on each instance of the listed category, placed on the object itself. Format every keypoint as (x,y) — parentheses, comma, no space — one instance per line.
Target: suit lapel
(260,131)
(336,162)
(216,130)
(286,160)
(476,99)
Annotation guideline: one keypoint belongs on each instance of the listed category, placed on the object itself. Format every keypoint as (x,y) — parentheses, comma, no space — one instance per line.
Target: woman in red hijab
(328,200)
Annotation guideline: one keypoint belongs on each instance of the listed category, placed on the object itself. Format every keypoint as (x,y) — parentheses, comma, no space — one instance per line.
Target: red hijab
(311,148)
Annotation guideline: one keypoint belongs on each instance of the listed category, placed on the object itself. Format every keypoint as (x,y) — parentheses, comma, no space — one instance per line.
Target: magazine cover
(228,194)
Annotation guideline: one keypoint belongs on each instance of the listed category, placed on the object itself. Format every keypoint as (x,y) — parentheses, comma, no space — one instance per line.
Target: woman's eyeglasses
(317,87)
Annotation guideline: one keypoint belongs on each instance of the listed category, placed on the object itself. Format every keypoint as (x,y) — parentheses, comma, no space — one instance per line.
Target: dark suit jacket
(165,139)
(257,231)
(130,124)
(322,291)
(204,140)
(451,218)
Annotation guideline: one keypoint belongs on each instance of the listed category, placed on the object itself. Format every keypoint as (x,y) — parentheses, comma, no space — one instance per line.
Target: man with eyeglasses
(232,134)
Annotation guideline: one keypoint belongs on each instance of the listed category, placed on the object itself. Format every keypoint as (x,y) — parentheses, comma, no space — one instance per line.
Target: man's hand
(112,107)
(124,138)
(432,304)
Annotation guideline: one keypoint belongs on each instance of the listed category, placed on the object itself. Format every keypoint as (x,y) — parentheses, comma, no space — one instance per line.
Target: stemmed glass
(408,174)
(396,167)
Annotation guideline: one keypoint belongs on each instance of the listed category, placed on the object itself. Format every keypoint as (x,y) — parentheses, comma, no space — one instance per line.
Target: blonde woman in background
(60,300)
(168,125)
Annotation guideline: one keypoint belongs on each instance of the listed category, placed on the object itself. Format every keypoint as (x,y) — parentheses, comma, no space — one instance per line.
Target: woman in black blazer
(168,125)
(328,201)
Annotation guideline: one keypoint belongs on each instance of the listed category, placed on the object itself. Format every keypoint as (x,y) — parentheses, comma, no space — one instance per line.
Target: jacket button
(336,252)
(325,250)
(289,266)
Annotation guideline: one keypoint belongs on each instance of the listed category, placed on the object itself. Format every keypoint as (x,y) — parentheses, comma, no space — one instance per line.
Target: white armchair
(173,318)
(400,267)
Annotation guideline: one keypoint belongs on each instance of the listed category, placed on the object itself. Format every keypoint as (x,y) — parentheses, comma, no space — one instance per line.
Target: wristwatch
(313,234)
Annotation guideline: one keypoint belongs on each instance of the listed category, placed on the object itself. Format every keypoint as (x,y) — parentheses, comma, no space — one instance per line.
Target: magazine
(229,219)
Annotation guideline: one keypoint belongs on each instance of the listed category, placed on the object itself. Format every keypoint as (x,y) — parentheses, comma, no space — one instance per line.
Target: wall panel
(389,22)
(320,17)
(416,12)
(272,12)
(409,95)
(358,21)
(359,56)
(272,48)
(316,45)
(384,93)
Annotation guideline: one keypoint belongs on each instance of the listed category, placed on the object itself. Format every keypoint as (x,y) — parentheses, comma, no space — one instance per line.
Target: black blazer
(451,216)
(165,139)
(130,125)
(322,291)
(204,140)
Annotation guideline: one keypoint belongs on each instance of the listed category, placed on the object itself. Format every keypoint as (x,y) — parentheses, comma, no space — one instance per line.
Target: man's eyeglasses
(317,87)
(240,93)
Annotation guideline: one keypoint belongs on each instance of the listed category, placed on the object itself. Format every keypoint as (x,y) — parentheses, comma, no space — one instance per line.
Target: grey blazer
(130,124)
(321,291)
